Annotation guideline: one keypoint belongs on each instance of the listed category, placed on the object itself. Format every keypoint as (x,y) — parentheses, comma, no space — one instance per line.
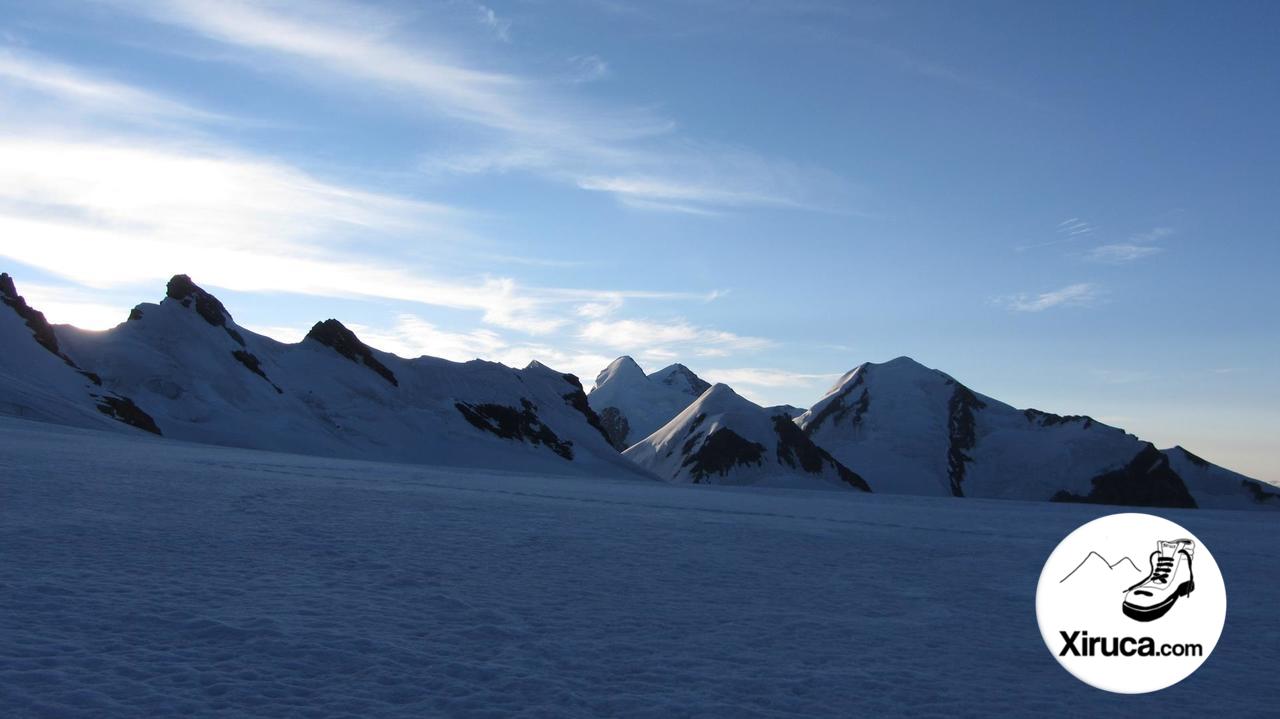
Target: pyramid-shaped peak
(623,368)
(682,378)
(332,333)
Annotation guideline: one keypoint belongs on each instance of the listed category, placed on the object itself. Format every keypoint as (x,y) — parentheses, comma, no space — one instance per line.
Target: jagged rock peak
(186,292)
(334,334)
(34,318)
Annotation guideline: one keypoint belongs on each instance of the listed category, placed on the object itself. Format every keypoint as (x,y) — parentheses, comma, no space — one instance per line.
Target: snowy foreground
(143,577)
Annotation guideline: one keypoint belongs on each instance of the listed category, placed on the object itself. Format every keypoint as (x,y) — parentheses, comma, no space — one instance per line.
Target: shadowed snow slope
(913,430)
(633,405)
(203,378)
(151,578)
(39,381)
(723,438)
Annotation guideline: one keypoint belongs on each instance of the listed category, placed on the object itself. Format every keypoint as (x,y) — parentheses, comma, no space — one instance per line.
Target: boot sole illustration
(1152,613)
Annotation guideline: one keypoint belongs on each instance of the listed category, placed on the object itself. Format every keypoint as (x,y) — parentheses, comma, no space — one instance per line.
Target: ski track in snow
(143,577)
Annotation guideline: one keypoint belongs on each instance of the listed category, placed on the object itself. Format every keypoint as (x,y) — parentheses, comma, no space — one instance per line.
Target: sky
(1067,206)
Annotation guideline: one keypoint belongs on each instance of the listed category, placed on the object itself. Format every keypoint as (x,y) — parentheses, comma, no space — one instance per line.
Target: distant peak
(679,377)
(186,292)
(623,368)
(333,334)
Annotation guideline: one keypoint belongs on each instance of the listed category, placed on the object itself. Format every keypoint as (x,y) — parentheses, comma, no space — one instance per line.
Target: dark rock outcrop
(188,293)
(723,450)
(1146,481)
(616,427)
(961,429)
(124,410)
(518,424)
(577,399)
(797,451)
(332,333)
(251,361)
(845,405)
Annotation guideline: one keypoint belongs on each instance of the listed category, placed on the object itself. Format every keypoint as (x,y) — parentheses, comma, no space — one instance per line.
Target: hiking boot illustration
(1169,579)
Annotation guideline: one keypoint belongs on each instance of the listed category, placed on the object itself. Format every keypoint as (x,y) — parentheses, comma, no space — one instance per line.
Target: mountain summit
(633,405)
(723,438)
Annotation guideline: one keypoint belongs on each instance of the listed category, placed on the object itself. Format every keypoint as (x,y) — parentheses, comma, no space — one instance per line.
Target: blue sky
(1066,206)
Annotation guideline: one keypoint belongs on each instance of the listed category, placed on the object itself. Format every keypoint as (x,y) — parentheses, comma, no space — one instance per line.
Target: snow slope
(913,430)
(146,577)
(633,405)
(203,378)
(1219,488)
(39,381)
(723,438)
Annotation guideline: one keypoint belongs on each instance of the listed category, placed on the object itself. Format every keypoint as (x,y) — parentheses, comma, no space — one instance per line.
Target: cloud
(501,28)
(587,68)
(1122,253)
(74,88)
(412,336)
(110,212)
(1138,247)
(770,378)
(628,153)
(631,335)
(1083,294)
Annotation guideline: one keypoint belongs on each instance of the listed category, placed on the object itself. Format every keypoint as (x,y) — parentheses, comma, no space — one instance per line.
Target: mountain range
(183,369)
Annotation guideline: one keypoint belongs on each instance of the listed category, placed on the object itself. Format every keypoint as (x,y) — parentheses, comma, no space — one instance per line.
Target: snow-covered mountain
(913,430)
(1216,487)
(199,376)
(39,381)
(723,438)
(633,405)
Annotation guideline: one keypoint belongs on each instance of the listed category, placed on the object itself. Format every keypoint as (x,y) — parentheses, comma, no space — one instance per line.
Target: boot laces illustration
(1170,578)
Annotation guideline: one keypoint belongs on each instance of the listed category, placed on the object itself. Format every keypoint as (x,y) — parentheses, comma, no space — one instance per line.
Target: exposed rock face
(852,402)
(124,410)
(723,450)
(39,326)
(1147,481)
(796,450)
(334,334)
(616,427)
(960,425)
(111,404)
(518,424)
(254,365)
(188,293)
(724,438)
(577,399)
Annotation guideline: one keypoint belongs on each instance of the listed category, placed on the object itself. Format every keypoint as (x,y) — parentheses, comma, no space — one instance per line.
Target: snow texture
(908,429)
(203,378)
(642,402)
(723,438)
(149,577)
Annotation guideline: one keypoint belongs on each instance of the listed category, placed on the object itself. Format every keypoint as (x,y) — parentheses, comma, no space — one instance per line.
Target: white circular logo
(1131,603)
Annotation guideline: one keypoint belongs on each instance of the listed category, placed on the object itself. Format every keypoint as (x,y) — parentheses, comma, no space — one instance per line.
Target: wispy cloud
(76,89)
(1083,294)
(629,153)
(587,68)
(1139,246)
(500,27)
(1121,253)
(631,335)
(1072,229)
(769,378)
